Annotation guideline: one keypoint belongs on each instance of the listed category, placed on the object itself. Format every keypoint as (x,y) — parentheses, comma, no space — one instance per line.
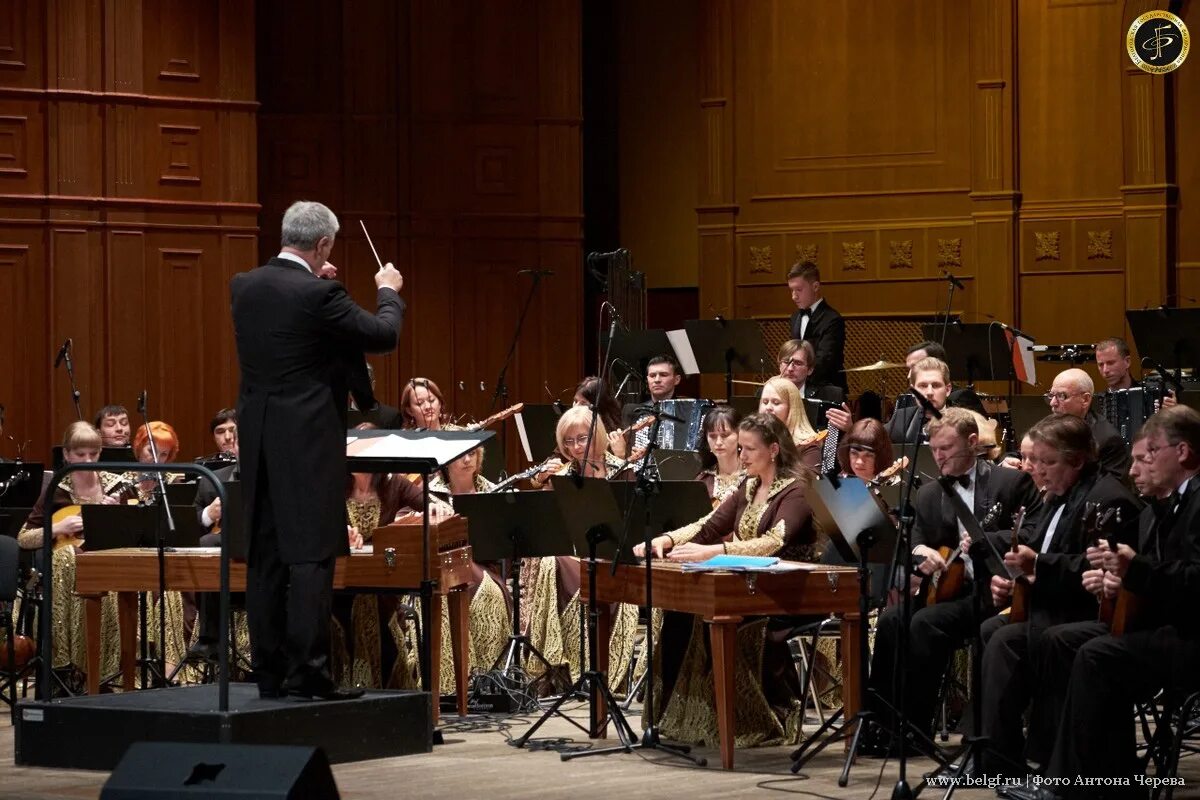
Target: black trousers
(209,603)
(934,634)
(1096,735)
(1014,675)
(288,608)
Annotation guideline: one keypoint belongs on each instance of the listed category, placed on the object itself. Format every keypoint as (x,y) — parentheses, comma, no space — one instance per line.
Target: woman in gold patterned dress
(767,516)
(378,650)
(81,444)
(720,470)
(491,606)
(554,621)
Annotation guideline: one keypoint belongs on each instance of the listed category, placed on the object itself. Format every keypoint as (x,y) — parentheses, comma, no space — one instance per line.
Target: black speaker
(165,770)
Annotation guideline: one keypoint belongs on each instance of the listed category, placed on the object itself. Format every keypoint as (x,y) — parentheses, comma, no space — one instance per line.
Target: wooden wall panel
(933,136)
(461,152)
(128,185)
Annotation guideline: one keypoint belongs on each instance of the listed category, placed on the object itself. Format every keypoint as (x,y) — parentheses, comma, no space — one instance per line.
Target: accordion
(1128,409)
(672,435)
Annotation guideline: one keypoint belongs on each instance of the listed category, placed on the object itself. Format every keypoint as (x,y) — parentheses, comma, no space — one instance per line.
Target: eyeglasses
(580,440)
(1152,453)
(1061,397)
(792,362)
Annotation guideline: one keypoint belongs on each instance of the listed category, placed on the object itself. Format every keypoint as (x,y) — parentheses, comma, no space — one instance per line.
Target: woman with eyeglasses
(768,515)
(554,622)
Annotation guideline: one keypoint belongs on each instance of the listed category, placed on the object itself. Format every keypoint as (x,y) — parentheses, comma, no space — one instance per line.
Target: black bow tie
(948,481)
(804,312)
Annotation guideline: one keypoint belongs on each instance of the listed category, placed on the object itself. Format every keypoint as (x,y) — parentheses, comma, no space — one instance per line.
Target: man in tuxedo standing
(301,344)
(817,322)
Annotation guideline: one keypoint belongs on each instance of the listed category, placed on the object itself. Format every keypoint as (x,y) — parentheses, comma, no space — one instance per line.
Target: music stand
(182,494)
(677,503)
(515,525)
(422,452)
(978,350)
(677,465)
(233,522)
(1168,336)
(26,483)
(591,516)
(636,348)
(725,346)
(1026,410)
(109,527)
(11,520)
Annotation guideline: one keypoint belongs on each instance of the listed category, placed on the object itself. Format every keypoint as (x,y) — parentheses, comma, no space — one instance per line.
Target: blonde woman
(781,399)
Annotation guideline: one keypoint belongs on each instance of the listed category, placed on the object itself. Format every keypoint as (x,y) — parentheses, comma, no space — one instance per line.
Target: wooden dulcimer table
(723,600)
(391,563)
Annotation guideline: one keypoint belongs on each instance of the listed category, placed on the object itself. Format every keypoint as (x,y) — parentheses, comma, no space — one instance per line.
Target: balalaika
(1128,409)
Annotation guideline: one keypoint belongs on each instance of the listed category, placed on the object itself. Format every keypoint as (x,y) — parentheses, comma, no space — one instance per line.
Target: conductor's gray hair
(305,223)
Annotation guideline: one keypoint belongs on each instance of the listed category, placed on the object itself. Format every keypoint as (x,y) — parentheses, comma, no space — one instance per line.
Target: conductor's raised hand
(389,278)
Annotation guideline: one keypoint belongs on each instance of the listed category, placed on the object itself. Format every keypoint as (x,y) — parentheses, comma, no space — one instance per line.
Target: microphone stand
(949,304)
(161,544)
(71,376)
(646,487)
(501,393)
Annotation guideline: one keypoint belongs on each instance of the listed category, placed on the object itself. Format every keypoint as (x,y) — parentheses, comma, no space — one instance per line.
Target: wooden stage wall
(1009,141)
(139,140)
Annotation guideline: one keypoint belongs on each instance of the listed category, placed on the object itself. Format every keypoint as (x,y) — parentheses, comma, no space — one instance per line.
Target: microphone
(141,405)
(624,381)
(950,277)
(62,352)
(923,401)
(1015,330)
(537,273)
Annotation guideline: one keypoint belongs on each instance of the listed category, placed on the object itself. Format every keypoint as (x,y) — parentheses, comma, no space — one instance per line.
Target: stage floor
(475,761)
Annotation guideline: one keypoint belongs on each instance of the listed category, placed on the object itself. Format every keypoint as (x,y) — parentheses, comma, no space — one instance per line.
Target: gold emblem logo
(1158,42)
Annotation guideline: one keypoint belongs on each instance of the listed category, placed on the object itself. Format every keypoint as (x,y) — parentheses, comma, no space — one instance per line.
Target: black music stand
(636,348)
(1168,336)
(182,494)
(110,527)
(726,346)
(515,525)
(23,482)
(676,503)
(677,465)
(423,452)
(1024,411)
(980,351)
(592,517)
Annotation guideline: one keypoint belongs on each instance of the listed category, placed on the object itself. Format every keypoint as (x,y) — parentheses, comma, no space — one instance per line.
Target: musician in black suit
(817,322)
(1109,673)
(991,494)
(1071,393)
(1079,495)
(931,377)
(382,416)
(300,343)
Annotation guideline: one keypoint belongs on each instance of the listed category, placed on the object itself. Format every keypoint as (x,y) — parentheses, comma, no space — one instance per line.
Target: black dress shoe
(203,650)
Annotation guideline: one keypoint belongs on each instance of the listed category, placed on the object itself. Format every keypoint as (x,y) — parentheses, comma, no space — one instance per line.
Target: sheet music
(1028,362)
(393,446)
(524,436)
(683,351)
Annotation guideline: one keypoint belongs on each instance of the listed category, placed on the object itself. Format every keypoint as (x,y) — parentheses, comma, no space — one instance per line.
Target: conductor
(300,343)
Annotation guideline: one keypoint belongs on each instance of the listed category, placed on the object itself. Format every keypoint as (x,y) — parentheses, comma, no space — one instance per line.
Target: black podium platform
(93,732)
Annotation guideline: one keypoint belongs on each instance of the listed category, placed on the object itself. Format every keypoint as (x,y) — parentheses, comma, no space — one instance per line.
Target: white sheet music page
(683,351)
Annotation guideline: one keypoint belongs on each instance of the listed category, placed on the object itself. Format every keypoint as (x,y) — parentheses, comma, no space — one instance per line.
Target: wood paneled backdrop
(1009,141)
(141,139)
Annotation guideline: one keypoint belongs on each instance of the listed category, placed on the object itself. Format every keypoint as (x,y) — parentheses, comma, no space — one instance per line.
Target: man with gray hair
(301,344)
(1072,393)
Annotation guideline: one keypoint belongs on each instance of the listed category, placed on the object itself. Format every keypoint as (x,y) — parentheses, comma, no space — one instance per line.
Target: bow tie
(948,481)
(804,312)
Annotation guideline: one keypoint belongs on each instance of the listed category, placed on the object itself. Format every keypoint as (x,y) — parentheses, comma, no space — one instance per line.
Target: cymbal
(878,365)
